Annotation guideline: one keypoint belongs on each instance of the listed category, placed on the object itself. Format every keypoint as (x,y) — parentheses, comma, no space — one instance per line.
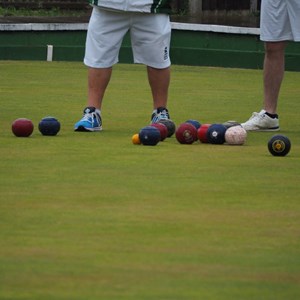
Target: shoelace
(160,116)
(90,117)
(163,115)
(256,115)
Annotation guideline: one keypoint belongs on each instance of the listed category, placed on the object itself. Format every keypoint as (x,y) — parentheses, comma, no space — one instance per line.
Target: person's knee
(275,48)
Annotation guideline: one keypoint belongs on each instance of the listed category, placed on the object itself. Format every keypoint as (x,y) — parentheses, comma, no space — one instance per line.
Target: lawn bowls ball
(279,145)
(186,133)
(22,127)
(170,126)
(149,136)
(162,129)
(202,133)
(235,135)
(196,123)
(49,126)
(136,139)
(216,134)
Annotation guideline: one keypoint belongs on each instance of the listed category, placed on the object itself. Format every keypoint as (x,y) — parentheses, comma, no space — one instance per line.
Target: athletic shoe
(161,113)
(261,122)
(91,121)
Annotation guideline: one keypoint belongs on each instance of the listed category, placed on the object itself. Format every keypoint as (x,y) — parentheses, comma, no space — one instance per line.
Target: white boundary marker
(84,26)
(49,52)
(215,28)
(43,27)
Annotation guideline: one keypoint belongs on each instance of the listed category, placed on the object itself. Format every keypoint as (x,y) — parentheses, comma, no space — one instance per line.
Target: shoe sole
(84,129)
(264,130)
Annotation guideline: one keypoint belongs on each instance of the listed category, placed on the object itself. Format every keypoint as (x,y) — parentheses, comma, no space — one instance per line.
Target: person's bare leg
(98,79)
(273,74)
(159,80)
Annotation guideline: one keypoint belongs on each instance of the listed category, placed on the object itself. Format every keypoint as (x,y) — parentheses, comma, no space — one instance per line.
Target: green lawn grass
(92,216)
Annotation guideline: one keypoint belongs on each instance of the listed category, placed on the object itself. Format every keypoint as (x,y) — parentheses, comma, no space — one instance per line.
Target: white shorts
(280,20)
(150,38)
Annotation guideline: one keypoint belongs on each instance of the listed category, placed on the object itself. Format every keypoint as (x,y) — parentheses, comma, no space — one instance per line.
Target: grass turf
(92,216)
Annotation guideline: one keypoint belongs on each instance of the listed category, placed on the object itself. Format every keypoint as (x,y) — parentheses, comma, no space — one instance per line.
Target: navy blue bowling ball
(195,123)
(49,126)
(149,136)
(216,134)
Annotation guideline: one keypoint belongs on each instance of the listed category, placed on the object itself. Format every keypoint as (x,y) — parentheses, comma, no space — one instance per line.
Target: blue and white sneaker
(91,121)
(160,113)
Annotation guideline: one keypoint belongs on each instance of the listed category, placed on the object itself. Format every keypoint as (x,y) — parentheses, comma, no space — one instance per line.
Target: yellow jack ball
(136,139)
